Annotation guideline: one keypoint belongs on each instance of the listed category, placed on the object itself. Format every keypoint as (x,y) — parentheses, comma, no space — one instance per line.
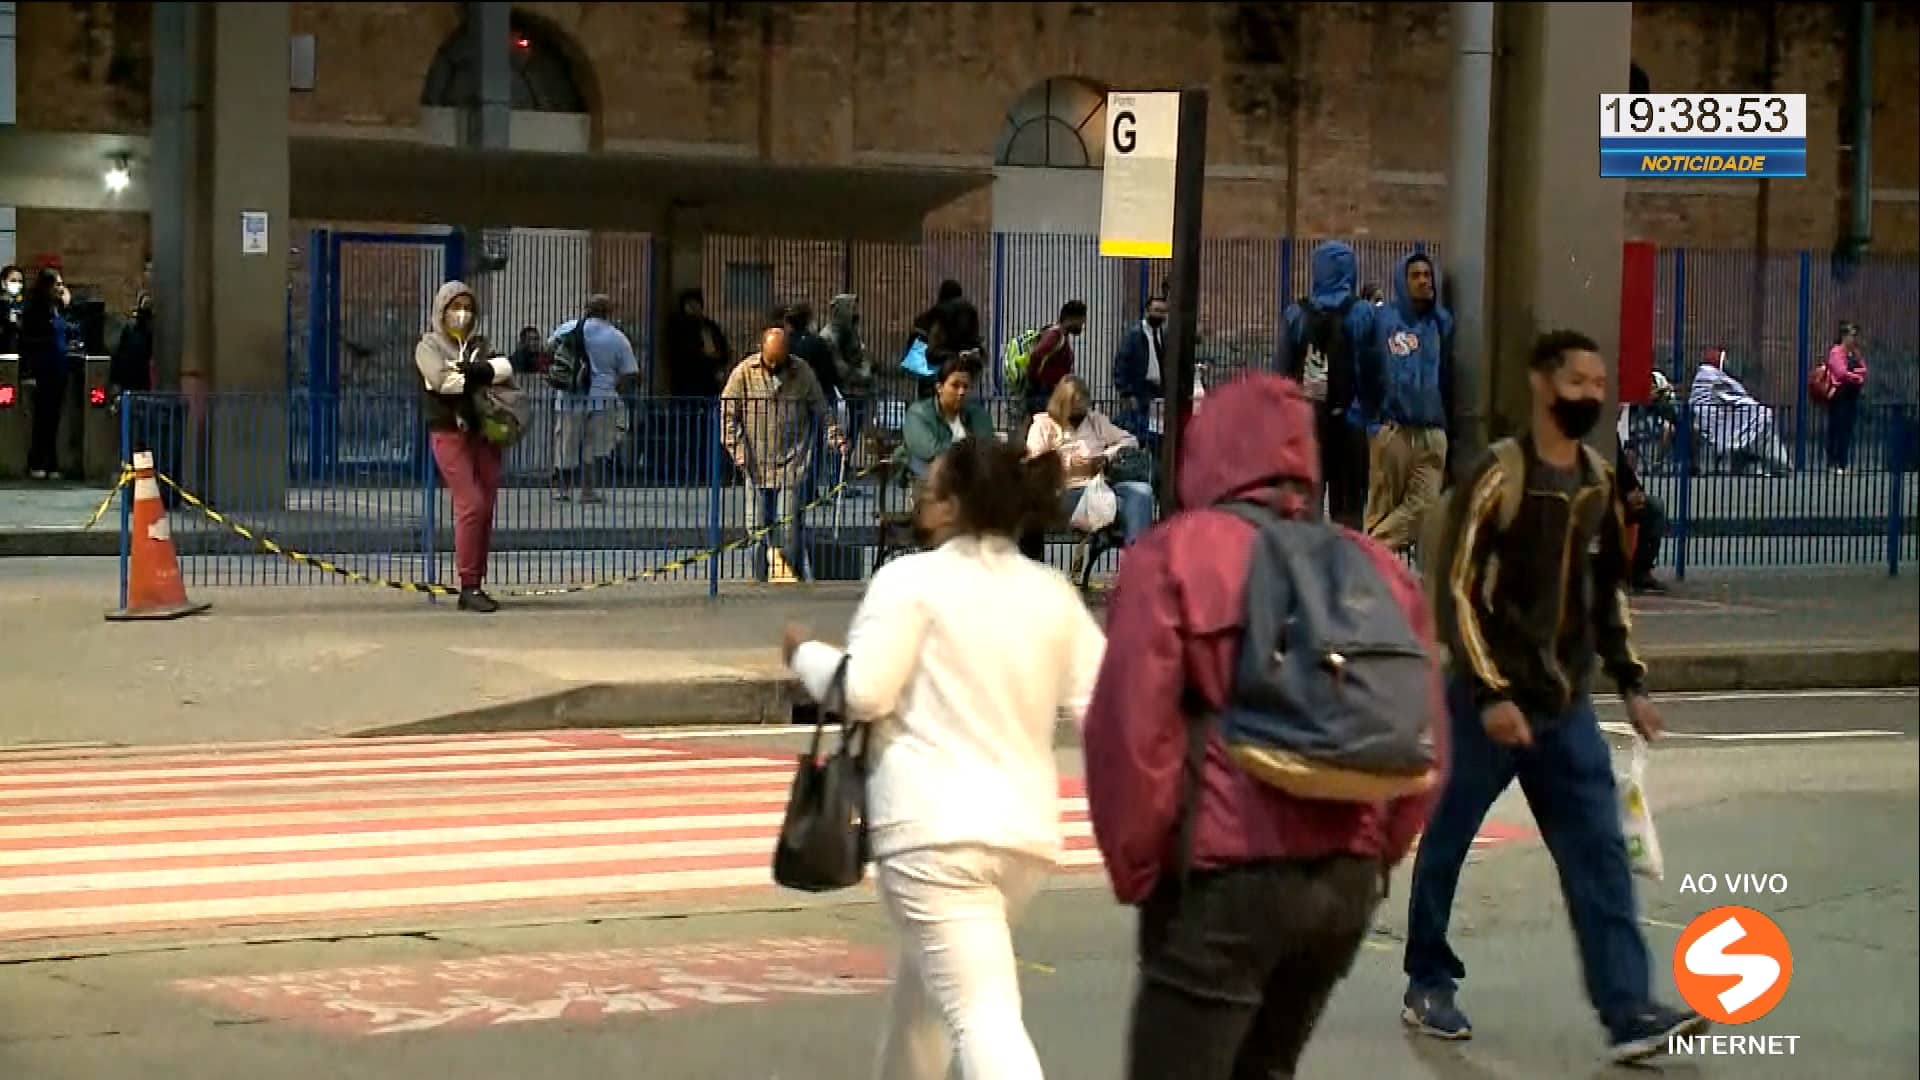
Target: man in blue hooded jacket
(1328,330)
(1407,396)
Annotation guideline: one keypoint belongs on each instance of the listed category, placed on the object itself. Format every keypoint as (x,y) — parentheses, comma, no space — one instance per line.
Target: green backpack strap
(1512,459)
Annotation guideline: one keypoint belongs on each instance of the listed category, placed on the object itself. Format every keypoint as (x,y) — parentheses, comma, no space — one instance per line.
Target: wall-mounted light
(119,176)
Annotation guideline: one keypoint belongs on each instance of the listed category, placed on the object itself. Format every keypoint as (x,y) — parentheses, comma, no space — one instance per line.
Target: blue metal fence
(666,503)
(341,465)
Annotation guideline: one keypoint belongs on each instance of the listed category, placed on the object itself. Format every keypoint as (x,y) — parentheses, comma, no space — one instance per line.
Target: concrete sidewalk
(289,662)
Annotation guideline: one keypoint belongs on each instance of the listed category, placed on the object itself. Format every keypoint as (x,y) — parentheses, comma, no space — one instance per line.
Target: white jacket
(964,657)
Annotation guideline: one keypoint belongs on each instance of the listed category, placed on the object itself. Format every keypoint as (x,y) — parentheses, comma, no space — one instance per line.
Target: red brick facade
(841,82)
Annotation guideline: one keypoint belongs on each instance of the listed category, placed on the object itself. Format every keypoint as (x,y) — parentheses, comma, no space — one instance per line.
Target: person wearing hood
(131,369)
(697,350)
(1327,330)
(455,365)
(1406,391)
(1242,943)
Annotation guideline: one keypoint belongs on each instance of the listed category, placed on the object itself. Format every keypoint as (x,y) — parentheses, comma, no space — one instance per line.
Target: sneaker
(1433,1013)
(476,600)
(36,474)
(1649,584)
(1645,1034)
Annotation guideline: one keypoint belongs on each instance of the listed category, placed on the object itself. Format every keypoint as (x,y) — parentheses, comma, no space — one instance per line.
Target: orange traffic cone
(154,587)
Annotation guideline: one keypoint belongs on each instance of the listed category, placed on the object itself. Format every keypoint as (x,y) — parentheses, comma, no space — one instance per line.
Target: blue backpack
(1332,694)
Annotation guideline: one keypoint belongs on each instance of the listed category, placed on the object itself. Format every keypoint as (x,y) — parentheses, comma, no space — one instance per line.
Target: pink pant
(470,467)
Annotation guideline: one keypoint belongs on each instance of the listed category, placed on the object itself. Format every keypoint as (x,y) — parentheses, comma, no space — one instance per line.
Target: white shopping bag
(1098,507)
(1636,819)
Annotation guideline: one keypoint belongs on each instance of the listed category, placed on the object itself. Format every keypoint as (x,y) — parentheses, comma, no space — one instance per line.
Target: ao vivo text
(1735,884)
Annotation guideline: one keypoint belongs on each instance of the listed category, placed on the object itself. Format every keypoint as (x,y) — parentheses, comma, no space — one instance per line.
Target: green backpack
(1016,359)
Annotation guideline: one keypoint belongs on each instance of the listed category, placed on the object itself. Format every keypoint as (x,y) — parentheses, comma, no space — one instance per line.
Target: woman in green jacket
(950,415)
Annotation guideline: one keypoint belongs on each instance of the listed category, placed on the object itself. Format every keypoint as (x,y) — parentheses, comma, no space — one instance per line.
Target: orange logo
(1732,965)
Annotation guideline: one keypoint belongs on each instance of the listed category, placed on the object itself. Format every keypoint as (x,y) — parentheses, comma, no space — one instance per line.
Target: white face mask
(459,321)
(13,288)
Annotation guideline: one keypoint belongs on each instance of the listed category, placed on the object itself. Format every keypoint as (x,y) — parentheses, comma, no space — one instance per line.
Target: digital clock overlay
(1751,135)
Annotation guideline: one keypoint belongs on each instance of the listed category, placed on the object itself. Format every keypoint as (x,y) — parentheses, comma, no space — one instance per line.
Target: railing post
(126,492)
(999,310)
(1679,314)
(430,501)
(1802,344)
(1286,284)
(1683,504)
(716,462)
(1896,476)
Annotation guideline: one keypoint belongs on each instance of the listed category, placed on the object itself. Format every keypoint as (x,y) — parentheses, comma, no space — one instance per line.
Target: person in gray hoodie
(455,364)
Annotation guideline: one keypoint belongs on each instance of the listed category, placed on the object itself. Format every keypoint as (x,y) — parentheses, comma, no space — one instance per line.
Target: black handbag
(1132,465)
(823,839)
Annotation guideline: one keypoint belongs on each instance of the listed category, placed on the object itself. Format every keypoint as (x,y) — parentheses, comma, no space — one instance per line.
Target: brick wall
(835,82)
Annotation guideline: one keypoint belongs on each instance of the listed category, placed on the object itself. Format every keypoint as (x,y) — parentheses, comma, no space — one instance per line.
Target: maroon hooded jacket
(1174,627)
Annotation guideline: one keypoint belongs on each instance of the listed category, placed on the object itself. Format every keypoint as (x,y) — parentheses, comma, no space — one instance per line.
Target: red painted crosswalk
(99,842)
(96,842)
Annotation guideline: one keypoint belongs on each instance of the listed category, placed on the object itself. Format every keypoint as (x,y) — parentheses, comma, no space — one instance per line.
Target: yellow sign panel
(1136,192)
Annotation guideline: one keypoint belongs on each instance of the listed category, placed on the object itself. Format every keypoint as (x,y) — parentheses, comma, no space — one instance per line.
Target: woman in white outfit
(963,656)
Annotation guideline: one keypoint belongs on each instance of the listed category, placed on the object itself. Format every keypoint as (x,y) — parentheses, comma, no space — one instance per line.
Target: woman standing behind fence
(456,365)
(1847,374)
(964,655)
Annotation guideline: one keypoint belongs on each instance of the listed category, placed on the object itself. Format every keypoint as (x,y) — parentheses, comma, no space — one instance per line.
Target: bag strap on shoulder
(1512,459)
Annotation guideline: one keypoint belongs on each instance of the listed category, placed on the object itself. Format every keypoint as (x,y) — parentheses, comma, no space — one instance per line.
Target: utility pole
(1189,187)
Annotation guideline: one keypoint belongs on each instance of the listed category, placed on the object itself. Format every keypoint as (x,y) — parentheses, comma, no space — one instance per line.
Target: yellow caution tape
(126,477)
(272,547)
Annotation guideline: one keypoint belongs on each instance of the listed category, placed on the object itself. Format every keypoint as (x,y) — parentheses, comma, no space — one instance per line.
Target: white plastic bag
(1098,507)
(1636,819)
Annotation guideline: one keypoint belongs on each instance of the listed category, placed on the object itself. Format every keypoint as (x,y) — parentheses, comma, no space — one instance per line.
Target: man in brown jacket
(768,414)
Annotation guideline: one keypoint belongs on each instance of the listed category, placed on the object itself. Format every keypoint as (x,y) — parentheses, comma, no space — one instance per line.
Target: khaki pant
(1407,467)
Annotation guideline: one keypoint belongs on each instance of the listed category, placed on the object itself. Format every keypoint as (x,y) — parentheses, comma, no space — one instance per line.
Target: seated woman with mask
(950,415)
(1087,443)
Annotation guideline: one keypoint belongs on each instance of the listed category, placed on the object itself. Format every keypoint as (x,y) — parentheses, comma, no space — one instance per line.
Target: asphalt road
(1818,788)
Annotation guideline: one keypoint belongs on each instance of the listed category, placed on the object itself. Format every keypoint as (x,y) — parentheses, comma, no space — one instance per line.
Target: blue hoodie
(1335,269)
(1410,364)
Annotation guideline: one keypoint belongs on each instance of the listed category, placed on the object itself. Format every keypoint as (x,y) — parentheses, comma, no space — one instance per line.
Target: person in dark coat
(697,354)
(43,359)
(131,369)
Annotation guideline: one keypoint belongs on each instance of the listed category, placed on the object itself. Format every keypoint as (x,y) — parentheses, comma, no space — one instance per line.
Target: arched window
(542,76)
(1059,124)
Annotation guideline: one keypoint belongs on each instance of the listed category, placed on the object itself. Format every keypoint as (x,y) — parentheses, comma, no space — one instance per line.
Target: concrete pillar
(220,158)
(1558,227)
(1468,174)
(487,120)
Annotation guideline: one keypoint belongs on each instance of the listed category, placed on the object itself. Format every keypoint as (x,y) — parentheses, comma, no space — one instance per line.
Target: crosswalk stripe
(101,843)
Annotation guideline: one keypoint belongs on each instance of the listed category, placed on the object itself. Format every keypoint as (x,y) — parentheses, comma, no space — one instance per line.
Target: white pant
(956,986)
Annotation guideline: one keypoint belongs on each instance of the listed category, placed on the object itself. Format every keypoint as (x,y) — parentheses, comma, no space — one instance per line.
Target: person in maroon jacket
(1240,946)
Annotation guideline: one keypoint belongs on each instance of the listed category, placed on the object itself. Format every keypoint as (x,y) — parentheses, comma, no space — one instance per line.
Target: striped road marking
(107,840)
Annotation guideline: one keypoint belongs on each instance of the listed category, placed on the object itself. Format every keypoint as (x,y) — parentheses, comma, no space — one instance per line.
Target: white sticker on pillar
(253,232)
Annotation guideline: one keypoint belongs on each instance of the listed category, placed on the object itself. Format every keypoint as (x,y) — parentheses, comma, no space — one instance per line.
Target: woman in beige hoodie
(456,364)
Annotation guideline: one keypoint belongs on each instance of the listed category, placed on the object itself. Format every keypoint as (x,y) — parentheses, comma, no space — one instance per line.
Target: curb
(750,700)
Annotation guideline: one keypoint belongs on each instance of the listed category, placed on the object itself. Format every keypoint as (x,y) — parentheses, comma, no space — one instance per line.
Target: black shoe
(1646,1033)
(1649,584)
(476,600)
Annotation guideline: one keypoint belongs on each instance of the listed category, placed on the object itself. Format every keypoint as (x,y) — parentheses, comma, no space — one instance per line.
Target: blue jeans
(1136,506)
(1567,776)
(779,509)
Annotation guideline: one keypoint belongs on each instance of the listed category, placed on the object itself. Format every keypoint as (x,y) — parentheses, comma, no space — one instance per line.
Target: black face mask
(1576,416)
(1156,321)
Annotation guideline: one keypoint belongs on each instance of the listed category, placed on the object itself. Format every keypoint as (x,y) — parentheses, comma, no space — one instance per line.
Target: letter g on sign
(1125,137)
